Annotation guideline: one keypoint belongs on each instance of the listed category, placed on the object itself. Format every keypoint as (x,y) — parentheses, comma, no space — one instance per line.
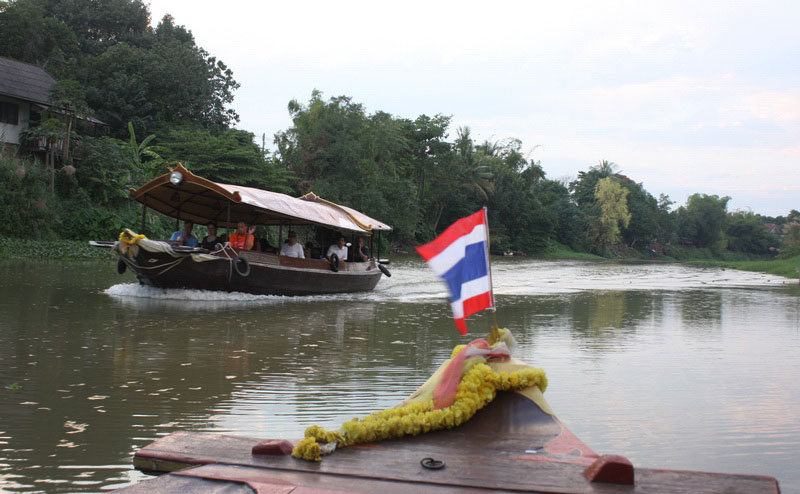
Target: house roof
(25,81)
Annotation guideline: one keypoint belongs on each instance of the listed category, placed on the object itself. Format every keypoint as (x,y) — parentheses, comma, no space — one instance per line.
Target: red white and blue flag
(460,256)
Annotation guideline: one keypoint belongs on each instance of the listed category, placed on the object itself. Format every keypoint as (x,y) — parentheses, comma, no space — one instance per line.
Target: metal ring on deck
(431,464)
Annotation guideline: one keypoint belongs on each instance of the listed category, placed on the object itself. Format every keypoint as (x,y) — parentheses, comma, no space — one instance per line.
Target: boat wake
(141,296)
(413,282)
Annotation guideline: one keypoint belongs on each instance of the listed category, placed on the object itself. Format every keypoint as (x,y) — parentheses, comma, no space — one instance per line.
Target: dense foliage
(161,99)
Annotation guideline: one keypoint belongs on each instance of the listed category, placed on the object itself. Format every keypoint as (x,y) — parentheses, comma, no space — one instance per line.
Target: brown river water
(671,366)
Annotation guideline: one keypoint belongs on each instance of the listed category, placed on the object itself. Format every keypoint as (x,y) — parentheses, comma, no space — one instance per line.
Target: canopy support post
(228,223)
(144,214)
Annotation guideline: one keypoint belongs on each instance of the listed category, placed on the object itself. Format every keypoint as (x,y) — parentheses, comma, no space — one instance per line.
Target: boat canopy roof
(188,197)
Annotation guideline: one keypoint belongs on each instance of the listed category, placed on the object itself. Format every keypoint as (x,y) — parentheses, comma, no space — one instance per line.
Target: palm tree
(606,168)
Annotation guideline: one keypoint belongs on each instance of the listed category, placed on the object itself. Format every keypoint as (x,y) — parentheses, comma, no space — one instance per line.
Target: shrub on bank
(24,198)
(16,248)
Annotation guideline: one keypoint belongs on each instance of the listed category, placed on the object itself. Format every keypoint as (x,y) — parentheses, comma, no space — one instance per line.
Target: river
(671,366)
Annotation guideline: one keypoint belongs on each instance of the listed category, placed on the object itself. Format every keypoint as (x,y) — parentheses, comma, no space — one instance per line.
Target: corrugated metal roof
(25,81)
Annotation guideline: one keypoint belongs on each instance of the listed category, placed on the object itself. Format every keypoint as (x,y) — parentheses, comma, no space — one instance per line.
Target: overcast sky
(685,96)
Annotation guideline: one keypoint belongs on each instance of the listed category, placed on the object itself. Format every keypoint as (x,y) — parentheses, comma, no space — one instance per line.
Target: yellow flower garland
(128,239)
(477,388)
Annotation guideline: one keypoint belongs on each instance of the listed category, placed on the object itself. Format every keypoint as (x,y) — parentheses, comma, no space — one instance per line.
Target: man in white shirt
(339,248)
(292,248)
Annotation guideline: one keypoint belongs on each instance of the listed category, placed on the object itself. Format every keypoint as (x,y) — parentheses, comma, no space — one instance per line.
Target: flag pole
(496,327)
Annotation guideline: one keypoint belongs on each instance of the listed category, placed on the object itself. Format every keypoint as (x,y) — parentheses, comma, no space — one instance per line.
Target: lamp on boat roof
(176,178)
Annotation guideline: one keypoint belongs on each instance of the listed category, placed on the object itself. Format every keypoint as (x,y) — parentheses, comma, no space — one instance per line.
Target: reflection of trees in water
(601,315)
(700,308)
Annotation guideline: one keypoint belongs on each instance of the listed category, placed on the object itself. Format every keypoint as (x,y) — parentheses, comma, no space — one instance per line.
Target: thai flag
(460,255)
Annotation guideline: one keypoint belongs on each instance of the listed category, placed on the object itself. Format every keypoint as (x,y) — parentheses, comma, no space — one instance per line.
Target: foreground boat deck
(493,452)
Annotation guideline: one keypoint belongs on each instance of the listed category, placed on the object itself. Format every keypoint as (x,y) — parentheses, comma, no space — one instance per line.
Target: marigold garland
(477,388)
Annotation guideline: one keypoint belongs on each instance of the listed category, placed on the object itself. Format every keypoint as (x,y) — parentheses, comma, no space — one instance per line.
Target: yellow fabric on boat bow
(481,378)
(127,239)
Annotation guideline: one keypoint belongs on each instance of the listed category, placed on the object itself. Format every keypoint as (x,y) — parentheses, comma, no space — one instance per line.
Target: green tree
(611,198)
(99,24)
(746,233)
(606,168)
(571,225)
(644,224)
(31,36)
(143,156)
(667,224)
(68,100)
(702,221)
(521,218)
(790,246)
(118,90)
(230,156)
(365,161)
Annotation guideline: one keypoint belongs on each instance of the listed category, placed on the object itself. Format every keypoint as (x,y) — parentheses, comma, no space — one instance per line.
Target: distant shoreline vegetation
(75,250)
(15,248)
(156,98)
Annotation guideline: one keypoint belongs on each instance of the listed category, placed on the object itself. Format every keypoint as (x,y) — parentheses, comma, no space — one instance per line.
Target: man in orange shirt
(242,239)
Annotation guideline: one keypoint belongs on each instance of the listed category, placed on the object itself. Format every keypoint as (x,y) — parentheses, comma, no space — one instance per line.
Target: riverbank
(789,268)
(18,248)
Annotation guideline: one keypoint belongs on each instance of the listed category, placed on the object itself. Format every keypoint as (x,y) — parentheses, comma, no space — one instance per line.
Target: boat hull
(259,273)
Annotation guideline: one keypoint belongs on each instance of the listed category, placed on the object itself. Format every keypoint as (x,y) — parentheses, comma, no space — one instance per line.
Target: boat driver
(361,251)
(185,237)
(339,248)
(291,248)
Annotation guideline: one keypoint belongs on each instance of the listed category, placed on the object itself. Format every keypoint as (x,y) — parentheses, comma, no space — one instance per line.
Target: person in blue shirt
(185,237)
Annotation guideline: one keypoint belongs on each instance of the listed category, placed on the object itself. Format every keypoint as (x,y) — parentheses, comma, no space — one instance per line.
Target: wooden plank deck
(496,451)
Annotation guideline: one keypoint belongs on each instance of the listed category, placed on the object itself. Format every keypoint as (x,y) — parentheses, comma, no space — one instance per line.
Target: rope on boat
(134,265)
(231,255)
(129,239)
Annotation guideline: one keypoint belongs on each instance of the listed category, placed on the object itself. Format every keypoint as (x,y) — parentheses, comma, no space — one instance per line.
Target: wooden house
(24,94)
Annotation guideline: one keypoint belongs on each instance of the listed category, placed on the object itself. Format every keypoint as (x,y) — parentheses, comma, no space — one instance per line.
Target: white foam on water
(145,291)
(413,282)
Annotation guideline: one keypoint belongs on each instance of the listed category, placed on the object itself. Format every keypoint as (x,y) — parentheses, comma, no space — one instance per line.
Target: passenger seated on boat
(211,241)
(242,239)
(361,251)
(291,248)
(185,237)
(308,251)
(339,248)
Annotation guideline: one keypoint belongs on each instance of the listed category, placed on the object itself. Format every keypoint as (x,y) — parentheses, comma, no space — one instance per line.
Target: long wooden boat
(515,443)
(187,197)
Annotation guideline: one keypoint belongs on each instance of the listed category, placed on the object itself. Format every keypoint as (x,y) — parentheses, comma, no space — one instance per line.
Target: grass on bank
(789,268)
(19,248)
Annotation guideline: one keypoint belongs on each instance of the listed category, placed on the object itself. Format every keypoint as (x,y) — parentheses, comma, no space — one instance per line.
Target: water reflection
(680,375)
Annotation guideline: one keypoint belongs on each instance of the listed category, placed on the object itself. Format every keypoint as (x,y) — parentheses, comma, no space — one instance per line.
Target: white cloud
(775,106)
